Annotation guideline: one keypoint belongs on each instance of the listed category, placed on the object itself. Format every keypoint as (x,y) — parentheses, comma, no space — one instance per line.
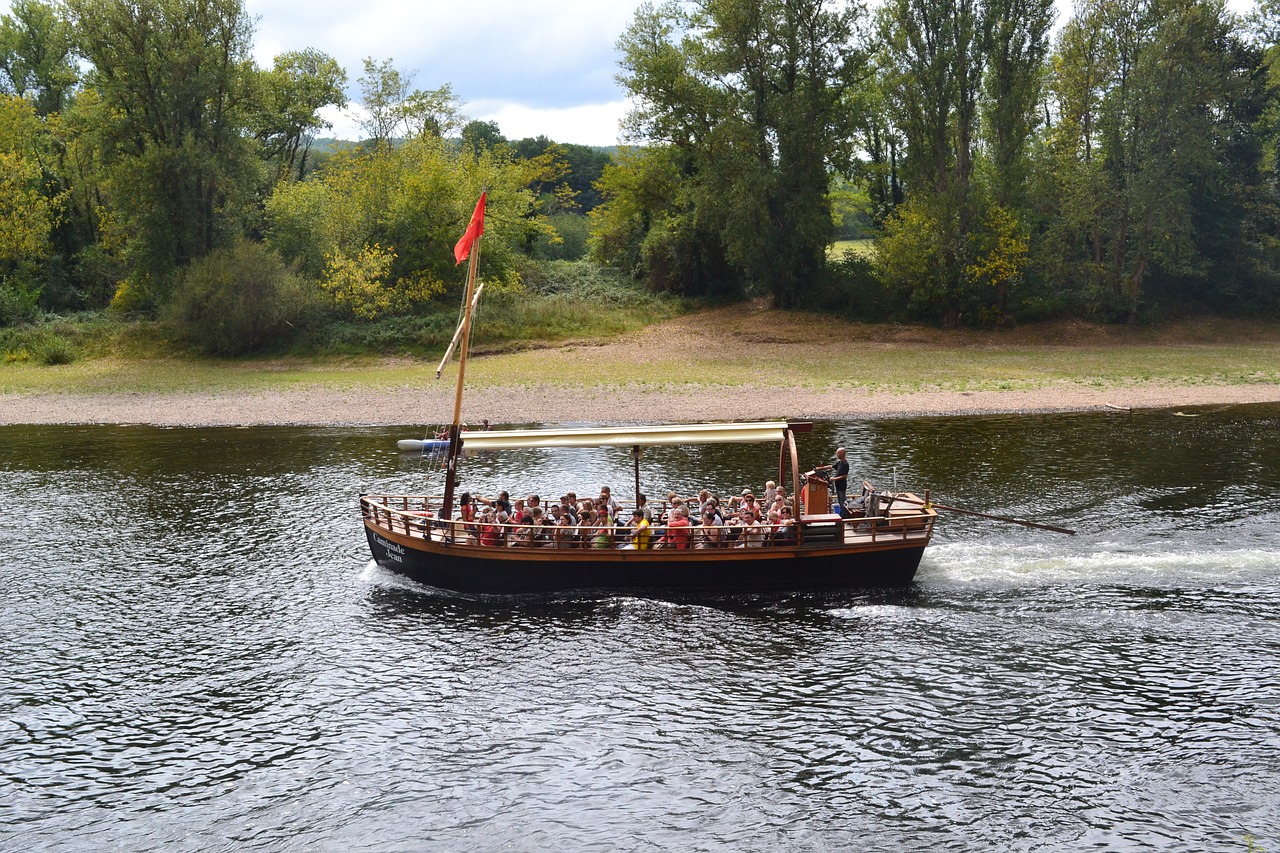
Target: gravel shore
(589,404)
(770,337)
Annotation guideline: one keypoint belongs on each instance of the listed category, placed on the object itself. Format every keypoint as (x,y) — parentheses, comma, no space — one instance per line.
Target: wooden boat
(410,535)
(417,535)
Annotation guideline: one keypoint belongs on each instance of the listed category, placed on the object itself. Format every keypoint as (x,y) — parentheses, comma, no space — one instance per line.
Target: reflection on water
(199,655)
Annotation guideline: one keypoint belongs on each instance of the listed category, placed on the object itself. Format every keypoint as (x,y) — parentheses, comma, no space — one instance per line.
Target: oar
(987,515)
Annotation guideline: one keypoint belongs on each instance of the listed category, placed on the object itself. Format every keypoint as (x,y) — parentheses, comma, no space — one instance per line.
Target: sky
(536,67)
(533,66)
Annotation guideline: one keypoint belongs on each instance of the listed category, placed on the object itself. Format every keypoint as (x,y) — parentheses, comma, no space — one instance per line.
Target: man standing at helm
(840,476)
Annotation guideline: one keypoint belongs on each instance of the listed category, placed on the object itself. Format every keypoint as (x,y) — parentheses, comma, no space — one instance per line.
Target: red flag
(463,248)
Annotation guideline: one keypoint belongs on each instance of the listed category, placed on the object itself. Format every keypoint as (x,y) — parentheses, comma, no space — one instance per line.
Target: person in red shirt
(678,529)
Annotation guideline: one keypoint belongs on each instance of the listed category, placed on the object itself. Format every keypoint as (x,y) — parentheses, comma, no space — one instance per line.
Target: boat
(414,535)
(876,541)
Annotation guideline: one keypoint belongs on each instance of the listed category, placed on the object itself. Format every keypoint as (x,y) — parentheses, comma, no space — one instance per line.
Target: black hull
(505,571)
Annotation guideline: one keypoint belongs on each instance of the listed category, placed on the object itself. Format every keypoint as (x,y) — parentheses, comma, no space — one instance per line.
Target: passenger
(566,532)
(586,528)
(640,532)
(710,533)
(489,530)
(604,512)
(522,535)
(614,507)
(642,504)
(785,534)
(773,524)
(770,492)
(753,532)
(603,536)
(569,507)
(678,529)
(749,503)
(540,535)
(467,530)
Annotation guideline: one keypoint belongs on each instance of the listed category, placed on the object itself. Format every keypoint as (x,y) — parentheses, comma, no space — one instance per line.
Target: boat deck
(413,516)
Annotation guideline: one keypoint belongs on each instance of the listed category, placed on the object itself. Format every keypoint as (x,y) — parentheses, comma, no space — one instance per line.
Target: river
(199,655)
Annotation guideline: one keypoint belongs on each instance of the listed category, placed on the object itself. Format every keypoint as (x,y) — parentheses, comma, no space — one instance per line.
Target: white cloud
(533,66)
(588,124)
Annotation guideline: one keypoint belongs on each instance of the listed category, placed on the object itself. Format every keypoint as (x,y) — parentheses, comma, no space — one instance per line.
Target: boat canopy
(627,436)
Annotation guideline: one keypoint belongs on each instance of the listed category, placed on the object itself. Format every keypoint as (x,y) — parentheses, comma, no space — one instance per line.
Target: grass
(554,341)
(887,371)
(840,248)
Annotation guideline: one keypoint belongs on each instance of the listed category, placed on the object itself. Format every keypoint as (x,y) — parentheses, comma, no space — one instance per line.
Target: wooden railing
(414,516)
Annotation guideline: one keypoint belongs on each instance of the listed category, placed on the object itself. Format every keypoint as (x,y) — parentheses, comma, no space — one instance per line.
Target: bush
(240,300)
(56,350)
(19,303)
(35,343)
(572,229)
(584,281)
(851,288)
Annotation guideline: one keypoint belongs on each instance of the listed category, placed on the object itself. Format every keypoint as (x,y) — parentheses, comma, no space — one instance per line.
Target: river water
(198,654)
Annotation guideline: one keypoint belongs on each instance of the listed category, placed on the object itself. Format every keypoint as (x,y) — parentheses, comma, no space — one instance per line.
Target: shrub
(36,343)
(19,302)
(55,349)
(851,288)
(239,300)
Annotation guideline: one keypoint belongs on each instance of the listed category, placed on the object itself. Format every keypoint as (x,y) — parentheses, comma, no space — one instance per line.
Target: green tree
(749,94)
(1158,191)
(383,89)
(649,227)
(482,135)
(36,59)
(28,211)
(172,77)
(377,228)
(290,97)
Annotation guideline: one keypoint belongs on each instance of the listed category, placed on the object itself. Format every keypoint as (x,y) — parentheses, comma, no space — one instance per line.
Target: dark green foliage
(747,97)
(240,300)
(851,289)
(572,229)
(19,302)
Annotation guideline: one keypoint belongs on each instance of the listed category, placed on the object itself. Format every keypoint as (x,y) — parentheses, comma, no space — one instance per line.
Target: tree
(482,135)
(749,94)
(1158,187)
(28,212)
(963,87)
(172,76)
(431,112)
(35,55)
(382,90)
(290,97)
(376,228)
(934,61)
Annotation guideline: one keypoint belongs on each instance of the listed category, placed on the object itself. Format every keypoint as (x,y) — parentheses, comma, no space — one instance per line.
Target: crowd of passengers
(744,521)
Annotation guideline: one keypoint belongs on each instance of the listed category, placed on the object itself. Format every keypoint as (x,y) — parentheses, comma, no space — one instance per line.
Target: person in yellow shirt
(639,531)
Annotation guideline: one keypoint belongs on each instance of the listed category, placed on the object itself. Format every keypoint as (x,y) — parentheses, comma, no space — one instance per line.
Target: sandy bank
(596,404)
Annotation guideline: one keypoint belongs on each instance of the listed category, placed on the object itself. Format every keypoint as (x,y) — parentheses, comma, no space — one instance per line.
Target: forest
(995,164)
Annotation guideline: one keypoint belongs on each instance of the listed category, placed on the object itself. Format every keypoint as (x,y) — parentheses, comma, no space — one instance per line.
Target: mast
(470,243)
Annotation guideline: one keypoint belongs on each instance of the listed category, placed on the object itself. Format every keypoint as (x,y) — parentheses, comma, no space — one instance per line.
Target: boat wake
(1003,564)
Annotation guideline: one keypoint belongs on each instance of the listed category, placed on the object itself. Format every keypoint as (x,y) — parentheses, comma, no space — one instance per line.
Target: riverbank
(742,362)
(595,404)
